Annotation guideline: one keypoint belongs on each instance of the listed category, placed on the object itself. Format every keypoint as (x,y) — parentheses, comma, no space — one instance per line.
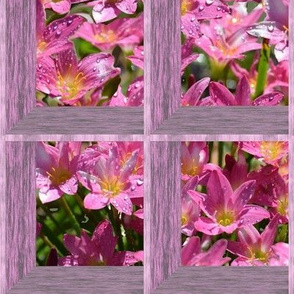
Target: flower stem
(263,66)
(220,153)
(65,205)
(113,216)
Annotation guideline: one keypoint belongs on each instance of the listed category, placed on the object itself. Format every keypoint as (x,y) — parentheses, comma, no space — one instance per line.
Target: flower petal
(221,95)
(191,249)
(95,201)
(122,203)
(270,99)
(251,215)
(243,92)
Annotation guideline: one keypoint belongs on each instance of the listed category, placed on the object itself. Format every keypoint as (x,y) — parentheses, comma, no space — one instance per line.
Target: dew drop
(201,8)
(271,28)
(209,2)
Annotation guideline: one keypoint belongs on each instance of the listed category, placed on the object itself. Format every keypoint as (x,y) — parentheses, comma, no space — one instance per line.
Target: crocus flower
(105,10)
(271,190)
(54,38)
(60,6)
(124,32)
(111,182)
(193,256)
(97,250)
(270,151)
(193,11)
(190,209)
(69,79)
(225,210)
(56,170)
(254,249)
(222,96)
(193,158)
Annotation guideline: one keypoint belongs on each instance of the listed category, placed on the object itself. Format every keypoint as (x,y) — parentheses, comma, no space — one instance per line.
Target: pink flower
(193,11)
(193,256)
(54,38)
(60,6)
(138,57)
(69,79)
(271,190)
(112,182)
(124,32)
(254,249)
(190,209)
(222,96)
(270,151)
(134,222)
(193,158)
(105,10)
(56,170)
(98,250)
(225,210)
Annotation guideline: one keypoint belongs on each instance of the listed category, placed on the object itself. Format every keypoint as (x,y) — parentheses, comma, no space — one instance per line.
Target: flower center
(111,187)
(192,169)
(59,175)
(282,206)
(271,150)
(184,219)
(106,36)
(225,218)
(41,47)
(186,6)
(69,86)
(257,253)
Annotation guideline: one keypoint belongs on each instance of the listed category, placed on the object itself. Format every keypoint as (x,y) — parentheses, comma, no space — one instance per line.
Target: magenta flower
(138,57)
(135,221)
(54,38)
(190,209)
(68,79)
(236,170)
(105,10)
(193,256)
(222,96)
(60,6)
(124,32)
(193,11)
(270,151)
(98,250)
(225,210)
(56,170)
(193,158)
(254,249)
(112,182)
(271,190)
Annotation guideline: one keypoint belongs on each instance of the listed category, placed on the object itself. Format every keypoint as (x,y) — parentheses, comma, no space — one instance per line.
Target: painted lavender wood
(20,59)
(85,120)
(227,120)
(162,243)
(20,211)
(77,280)
(162,61)
(233,280)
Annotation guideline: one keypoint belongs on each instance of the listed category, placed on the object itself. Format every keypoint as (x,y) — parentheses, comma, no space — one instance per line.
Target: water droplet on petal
(140,182)
(209,2)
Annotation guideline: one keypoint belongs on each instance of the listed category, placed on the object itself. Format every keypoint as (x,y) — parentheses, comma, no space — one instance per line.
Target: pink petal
(269,233)
(238,248)
(251,215)
(70,187)
(270,99)
(190,249)
(104,13)
(248,236)
(122,203)
(282,250)
(98,69)
(104,239)
(88,181)
(192,96)
(207,226)
(40,20)
(210,9)
(138,57)
(118,99)
(67,62)
(72,243)
(243,194)
(282,51)
(135,93)
(44,158)
(69,260)
(60,7)
(221,94)
(190,26)
(139,213)
(127,6)
(95,201)
(243,92)
(51,195)
(124,258)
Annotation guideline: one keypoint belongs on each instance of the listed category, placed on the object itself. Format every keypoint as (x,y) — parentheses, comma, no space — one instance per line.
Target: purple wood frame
(162,126)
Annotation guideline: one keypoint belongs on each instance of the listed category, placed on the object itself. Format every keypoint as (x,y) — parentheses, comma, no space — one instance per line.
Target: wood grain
(20,211)
(86,120)
(77,280)
(233,280)
(227,120)
(20,59)
(162,89)
(162,209)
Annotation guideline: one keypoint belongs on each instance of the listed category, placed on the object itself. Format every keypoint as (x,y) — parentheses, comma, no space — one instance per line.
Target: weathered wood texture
(20,211)
(162,61)
(233,280)
(80,280)
(162,242)
(85,120)
(227,120)
(20,59)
